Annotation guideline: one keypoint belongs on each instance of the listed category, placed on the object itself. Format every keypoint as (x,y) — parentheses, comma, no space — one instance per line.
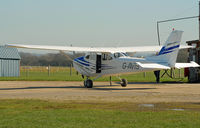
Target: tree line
(53,59)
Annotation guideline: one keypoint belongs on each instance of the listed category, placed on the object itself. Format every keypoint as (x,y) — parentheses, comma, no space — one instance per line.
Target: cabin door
(98,64)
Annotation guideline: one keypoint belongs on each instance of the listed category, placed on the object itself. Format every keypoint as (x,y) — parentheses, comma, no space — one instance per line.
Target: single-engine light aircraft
(100,61)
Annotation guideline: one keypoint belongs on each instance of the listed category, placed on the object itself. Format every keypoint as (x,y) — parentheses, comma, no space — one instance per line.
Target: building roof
(9,53)
(192,42)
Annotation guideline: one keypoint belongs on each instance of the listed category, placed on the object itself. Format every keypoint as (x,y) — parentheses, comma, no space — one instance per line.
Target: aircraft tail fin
(168,53)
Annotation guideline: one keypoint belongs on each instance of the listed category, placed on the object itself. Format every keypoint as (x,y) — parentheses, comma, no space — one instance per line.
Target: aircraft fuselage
(109,65)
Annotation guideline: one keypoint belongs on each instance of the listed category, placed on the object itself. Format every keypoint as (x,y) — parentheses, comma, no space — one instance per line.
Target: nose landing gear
(88,83)
(124,82)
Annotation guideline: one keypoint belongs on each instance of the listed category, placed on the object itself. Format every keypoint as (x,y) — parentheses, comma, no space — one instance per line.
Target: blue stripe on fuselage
(81,63)
(81,60)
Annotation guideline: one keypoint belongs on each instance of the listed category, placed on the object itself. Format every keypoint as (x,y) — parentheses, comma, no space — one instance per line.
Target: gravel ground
(74,91)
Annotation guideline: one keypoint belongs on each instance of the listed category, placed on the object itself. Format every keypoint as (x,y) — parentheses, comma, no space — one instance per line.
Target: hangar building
(9,62)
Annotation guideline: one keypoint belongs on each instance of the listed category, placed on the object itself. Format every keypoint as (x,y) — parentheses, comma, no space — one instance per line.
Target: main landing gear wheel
(88,83)
(124,82)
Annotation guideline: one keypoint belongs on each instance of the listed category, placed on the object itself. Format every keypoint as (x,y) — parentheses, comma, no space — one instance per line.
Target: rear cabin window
(93,56)
(87,57)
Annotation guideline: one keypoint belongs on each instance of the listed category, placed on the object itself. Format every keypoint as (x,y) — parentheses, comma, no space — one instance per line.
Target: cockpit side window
(104,57)
(109,57)
(117,55)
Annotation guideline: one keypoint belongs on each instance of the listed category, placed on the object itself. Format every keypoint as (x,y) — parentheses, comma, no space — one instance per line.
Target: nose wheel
(88,83)
(124,82)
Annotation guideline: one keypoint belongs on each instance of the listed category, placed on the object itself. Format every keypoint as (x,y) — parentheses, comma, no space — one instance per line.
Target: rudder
(168,53)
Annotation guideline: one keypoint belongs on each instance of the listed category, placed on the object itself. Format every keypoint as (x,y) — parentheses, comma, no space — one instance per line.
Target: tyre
(88,83)
(124,82)
(84,83)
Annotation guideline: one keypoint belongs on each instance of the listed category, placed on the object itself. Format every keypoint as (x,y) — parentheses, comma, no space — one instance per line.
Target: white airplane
(102,61)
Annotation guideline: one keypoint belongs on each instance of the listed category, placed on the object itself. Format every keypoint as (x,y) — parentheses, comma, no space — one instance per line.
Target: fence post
(144,74)
(70,73)
(49,70)
(27,71)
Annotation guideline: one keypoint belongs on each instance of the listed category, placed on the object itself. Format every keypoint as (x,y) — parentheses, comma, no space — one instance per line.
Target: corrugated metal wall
(9,68)
(9,62)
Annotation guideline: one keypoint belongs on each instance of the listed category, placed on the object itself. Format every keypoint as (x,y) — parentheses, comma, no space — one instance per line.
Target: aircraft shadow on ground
(122,88)
(44,87)
(164,82)
(98,87)
(140,83)
(52,87)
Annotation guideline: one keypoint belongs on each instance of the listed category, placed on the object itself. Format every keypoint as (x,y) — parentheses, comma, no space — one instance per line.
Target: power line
(169,20)
(184,18)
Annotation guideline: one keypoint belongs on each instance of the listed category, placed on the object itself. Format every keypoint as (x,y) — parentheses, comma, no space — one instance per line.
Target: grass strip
(17,113)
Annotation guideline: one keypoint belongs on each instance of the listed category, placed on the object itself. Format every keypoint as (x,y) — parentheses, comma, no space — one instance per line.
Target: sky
(102,23)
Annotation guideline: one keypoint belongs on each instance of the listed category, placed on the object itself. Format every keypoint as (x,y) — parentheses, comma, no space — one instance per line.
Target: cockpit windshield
(125,54)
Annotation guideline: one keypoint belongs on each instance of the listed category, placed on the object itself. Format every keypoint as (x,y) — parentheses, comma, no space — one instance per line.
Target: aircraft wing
(94,49)
(153,65)
(186,65)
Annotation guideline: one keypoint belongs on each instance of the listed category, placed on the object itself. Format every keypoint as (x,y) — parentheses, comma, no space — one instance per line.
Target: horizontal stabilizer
(186,65)
(152,65)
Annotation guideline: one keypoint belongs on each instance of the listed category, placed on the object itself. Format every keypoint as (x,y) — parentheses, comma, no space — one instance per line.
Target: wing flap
(152,65)
(186,65)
